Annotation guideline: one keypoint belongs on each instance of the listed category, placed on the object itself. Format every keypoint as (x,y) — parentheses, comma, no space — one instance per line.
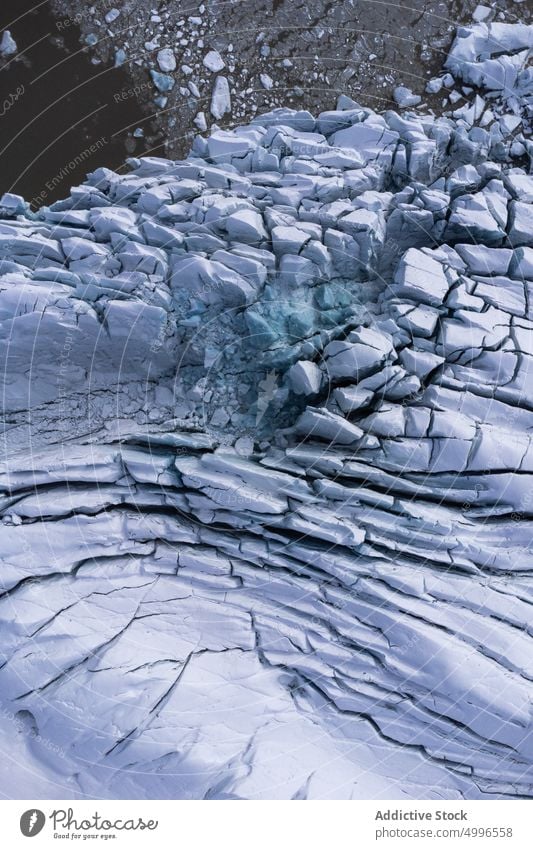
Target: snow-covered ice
(266,514)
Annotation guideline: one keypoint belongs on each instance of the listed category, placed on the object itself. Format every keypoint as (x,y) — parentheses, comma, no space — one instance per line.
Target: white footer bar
(269,825)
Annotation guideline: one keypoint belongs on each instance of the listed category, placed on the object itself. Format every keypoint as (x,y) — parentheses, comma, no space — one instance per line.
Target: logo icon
(32,822)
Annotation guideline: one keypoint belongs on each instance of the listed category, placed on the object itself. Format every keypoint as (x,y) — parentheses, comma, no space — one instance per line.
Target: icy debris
(112,15)
(213,61)
(404,97)
(481,13)
(162,82)
(11,205)
(8,45)
(200,121)
(166,59)
(266,81)
(494,57)
(434,85)
(221,98)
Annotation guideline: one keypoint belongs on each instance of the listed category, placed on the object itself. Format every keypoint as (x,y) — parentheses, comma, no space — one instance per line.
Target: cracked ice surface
(266,512)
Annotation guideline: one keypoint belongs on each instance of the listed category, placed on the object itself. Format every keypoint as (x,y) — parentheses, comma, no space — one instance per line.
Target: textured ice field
(267,467)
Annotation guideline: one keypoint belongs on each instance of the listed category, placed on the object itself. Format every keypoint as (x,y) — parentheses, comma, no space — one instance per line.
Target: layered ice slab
(266,512)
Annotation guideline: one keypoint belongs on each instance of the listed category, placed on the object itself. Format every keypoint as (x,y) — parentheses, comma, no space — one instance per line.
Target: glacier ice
(267,461)
(8,45)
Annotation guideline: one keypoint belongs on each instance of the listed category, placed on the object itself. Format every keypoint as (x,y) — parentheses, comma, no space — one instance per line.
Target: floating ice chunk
(221,98)
(481,13)
(213,61)
(162,82)
(11,204)
(266,81)
(434,85)
(112,15)
(166,59)
(8,45)
(200,121)
(404,97)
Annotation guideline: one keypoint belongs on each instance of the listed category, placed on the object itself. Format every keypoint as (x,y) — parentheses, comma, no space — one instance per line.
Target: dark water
(60,116)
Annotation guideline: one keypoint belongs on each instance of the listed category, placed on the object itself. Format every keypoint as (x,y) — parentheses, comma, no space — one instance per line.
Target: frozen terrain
(266,510)
(198,63)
